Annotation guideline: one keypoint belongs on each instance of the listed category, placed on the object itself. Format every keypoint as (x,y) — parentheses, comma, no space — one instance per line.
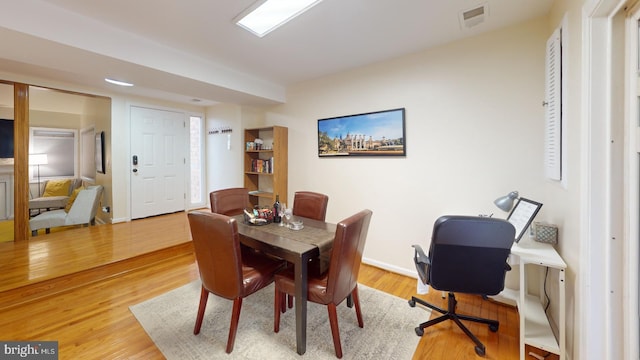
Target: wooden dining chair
(339,282)
(230,202)
(311,205)
(224,269)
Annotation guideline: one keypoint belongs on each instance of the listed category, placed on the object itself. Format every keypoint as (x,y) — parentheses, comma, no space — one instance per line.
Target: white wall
(474,131)
(224,164)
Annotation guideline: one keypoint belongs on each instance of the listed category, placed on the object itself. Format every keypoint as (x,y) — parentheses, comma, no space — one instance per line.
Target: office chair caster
(480,350)
(412,303)
(419,331)
(494,327)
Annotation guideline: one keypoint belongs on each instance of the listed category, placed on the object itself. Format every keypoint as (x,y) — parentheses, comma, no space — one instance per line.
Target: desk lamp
(505,203)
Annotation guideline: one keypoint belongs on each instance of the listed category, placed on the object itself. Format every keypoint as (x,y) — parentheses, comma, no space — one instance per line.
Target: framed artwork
(380,133)
(522,215)
(100,153)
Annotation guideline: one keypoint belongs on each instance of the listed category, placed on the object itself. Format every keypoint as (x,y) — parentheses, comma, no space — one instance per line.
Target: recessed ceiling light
(271,14)
(117,82)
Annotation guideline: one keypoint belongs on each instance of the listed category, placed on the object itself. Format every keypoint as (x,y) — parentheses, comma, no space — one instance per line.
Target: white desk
(535,329)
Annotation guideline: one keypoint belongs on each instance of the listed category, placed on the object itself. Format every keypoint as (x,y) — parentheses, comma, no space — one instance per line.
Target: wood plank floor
(76,287)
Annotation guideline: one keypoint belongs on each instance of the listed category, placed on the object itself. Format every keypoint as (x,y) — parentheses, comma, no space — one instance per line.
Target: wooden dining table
(298,247)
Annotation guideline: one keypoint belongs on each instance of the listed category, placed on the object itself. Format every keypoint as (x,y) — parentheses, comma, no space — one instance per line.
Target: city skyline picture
(380,133)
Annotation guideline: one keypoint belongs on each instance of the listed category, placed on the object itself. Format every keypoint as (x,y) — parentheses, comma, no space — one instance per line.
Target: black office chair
(468,254)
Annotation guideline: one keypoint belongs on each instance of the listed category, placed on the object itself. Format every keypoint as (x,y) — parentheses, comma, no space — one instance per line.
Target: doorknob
(135,170)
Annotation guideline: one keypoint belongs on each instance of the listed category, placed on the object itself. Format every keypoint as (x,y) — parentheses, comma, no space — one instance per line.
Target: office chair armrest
(420,256)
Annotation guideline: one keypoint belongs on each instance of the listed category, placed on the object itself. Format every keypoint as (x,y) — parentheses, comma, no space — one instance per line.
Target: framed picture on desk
(522,215)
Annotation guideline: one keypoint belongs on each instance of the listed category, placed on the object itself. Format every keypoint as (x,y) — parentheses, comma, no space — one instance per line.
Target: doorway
(158,162)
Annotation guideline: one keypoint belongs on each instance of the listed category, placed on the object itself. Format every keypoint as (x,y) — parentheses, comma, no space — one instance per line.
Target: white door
(157,162)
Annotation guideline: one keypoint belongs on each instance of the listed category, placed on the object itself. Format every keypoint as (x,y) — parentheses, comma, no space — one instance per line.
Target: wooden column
(21,162)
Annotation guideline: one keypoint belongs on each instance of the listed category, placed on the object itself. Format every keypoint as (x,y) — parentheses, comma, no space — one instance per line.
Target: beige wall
(97,113)
(474,132)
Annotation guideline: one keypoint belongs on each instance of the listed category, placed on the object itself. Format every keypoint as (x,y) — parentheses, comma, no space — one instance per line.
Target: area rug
(388,331)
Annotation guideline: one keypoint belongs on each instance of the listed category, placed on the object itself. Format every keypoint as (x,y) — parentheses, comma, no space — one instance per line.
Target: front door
(157,162)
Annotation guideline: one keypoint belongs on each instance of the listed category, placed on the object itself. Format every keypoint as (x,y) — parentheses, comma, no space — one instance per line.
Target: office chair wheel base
(493,328)
(419,331)
(480,351)
(412,303)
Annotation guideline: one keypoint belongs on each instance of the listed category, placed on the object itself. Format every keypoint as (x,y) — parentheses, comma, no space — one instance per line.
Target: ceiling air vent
(472,17)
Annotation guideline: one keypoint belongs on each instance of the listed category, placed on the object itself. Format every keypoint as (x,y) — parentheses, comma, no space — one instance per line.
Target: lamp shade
(505,203)
(38,159)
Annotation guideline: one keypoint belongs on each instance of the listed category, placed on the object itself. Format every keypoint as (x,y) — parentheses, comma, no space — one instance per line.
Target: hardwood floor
(76,288)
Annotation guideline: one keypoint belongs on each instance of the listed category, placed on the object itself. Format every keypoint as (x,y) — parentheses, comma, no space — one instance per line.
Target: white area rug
(388,331)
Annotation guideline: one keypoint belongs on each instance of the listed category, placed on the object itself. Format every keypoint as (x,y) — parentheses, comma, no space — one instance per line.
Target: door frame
(606,251)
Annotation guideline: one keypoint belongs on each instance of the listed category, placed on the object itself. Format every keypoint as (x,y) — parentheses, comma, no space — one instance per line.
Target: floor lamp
(38,159)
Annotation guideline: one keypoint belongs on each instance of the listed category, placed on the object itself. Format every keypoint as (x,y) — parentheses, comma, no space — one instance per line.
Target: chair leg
(204,295)
(233,329)
(356,301)
(277,308)
(290,300)
(335,332)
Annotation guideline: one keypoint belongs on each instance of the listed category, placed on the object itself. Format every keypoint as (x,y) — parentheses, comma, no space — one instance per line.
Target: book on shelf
(262,166)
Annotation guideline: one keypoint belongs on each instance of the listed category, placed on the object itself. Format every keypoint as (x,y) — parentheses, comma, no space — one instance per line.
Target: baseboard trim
(392,268)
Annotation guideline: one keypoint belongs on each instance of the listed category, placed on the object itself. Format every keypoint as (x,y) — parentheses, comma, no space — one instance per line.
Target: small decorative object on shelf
(258,142)
(545,233)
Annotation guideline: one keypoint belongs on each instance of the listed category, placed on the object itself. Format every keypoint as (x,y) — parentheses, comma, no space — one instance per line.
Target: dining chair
(230,202)
(224,269)
(310,204)
(339,282)
(468,254)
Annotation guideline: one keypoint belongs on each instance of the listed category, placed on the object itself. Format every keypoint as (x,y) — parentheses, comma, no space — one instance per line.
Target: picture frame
(379,133)
(100,156)
(522,215)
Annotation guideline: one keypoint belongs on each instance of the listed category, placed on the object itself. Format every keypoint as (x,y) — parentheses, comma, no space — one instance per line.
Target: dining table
(298,247)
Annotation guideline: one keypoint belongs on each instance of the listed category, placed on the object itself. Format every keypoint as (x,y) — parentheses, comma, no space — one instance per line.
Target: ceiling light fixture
(117,82)
(271,14)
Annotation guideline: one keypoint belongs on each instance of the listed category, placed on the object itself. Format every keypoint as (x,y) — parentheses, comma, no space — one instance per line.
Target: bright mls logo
(41,350)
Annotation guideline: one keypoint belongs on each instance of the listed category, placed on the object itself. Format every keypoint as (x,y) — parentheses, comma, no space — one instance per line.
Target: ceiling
(191,49)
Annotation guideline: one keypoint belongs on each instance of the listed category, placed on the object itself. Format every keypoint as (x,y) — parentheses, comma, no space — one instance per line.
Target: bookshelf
(266,168)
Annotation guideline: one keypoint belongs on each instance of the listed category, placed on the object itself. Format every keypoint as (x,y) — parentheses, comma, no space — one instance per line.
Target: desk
(535,329)
(297,247)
